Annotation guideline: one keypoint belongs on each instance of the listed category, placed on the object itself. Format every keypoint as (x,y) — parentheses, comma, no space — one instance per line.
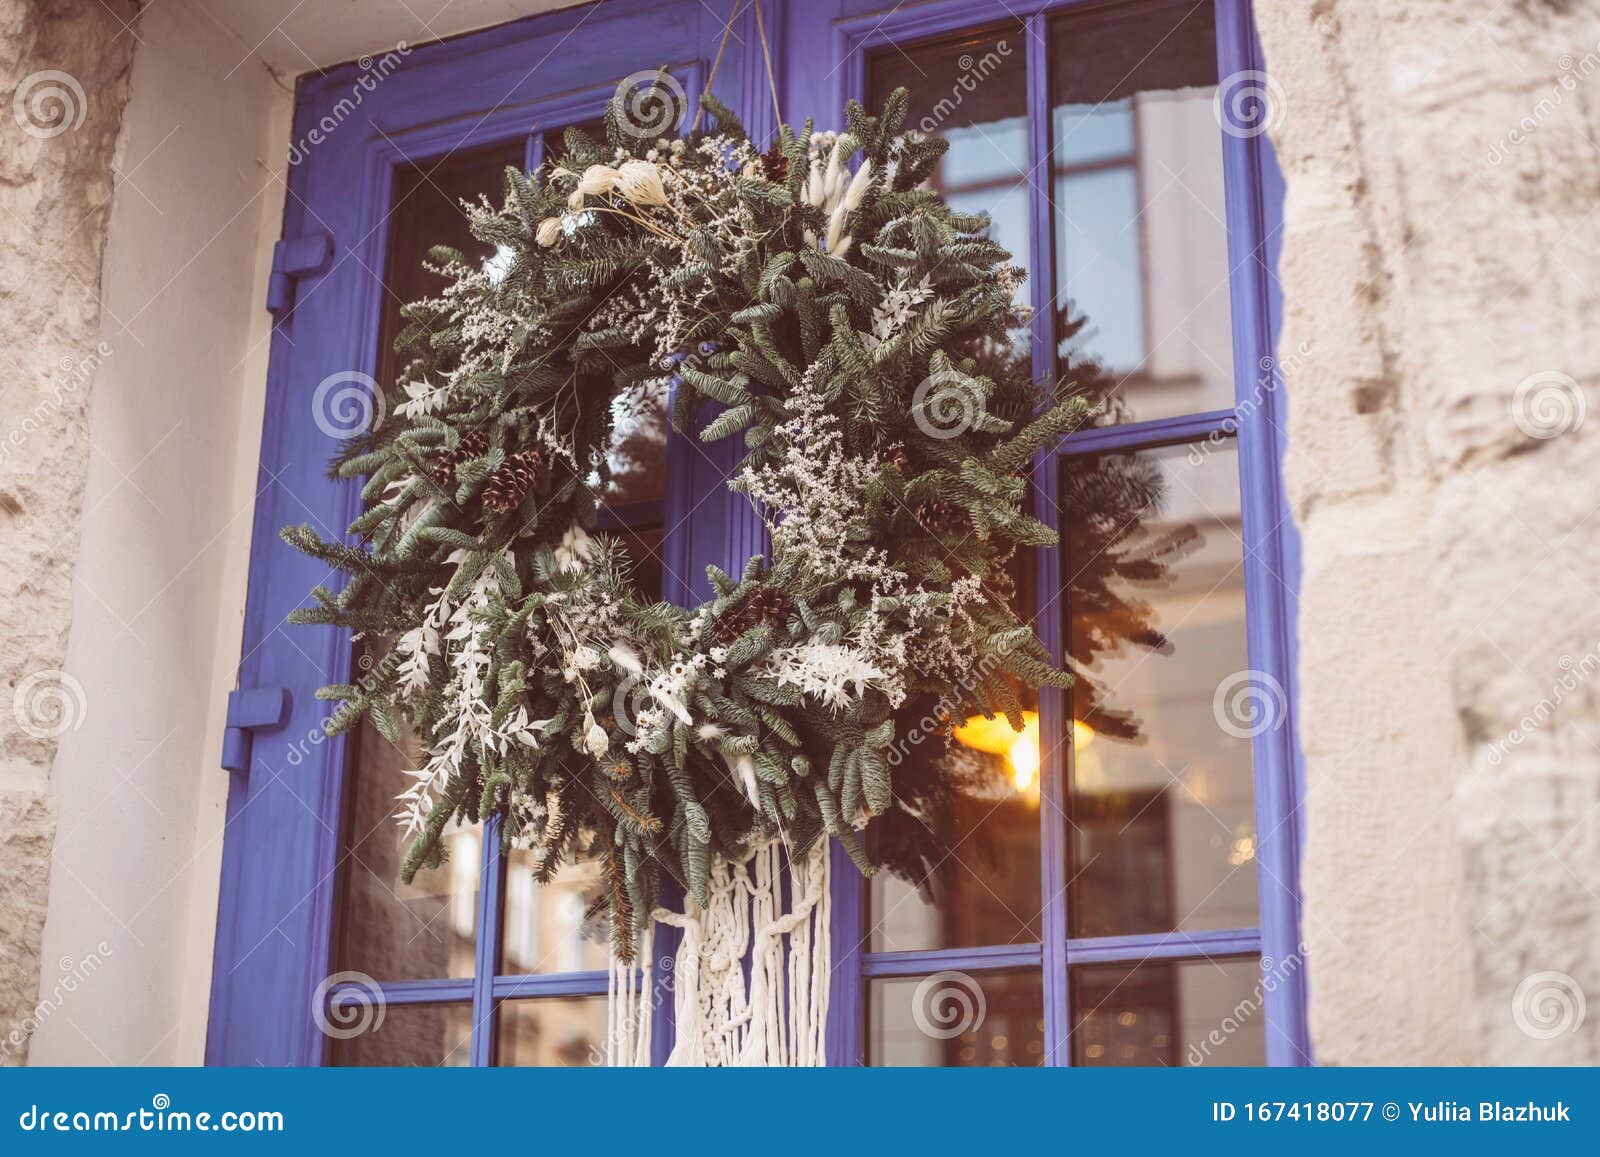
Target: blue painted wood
(250,711)
(1164,946)
(985,959)
(1147,435)
(1088,950)
(486,958)
(1055,709)
(280,857)
(847,936)
(589,983)
(292,260)
(1255,214)
(403,992)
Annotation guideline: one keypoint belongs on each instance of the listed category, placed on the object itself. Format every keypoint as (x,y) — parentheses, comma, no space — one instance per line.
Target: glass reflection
(387,929)
(1198,1012)
(637,456)
(956,1019)
(972,90)
(1140,229)
(568,1032)
(1161,801)
(427,212)
(959,854)
(548,926)
(410,1035)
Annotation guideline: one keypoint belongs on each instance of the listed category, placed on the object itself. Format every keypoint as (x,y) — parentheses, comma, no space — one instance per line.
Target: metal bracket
(248,710)
(295,259)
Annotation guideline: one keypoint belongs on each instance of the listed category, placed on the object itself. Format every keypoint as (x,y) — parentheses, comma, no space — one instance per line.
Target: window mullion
(491,911)
(1054,755)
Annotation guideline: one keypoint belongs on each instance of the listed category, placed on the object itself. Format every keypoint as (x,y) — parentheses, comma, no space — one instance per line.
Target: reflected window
(951,1018)
(1190,1014)
(404,1035)
(1161,806)
(972,90)
(552,1032)
(1139,221)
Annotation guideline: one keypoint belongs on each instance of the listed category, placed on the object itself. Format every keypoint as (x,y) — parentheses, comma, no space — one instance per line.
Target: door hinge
(248,710)
(294,259)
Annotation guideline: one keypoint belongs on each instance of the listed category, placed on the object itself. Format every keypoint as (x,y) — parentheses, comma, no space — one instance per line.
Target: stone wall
(1439,266)
(63,76)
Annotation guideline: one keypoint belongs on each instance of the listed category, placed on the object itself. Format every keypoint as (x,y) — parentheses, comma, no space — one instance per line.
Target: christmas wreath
(815,300)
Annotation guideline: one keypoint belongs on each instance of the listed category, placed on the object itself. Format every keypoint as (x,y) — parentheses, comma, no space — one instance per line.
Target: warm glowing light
(1021,748)
(1024,757)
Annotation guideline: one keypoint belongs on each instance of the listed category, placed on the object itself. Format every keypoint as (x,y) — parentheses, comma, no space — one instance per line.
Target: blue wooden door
(377,141)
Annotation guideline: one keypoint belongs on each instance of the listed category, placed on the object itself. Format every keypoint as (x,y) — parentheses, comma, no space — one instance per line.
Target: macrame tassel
(776,1017)
(629,1009)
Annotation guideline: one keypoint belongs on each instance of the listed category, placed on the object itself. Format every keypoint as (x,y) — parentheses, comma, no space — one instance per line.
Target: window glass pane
(427,212)
(1196,1012)
(638,453)
(959,857)
(976,870)
(550,1031)
(972,90)
(547,927)
(956,1018)
(555,144)
(1161,811)
(390,930)
(387,929)
(1141,251)
(645,549)
(409,1034)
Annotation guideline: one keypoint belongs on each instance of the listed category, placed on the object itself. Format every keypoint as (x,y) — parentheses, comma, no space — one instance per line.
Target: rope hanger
(766,56)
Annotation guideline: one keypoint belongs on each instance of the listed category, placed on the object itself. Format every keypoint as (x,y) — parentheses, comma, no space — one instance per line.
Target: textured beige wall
(1439,267)
(64,78)
(159,582)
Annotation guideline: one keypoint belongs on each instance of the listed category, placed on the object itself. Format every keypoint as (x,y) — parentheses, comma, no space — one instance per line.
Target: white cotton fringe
(779,1017)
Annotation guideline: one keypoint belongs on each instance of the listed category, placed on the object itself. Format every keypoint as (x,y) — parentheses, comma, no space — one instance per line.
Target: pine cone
(943,519)
(510,484)
(472,444)
(899,459)
(774,165)
(769,605)
(732,624)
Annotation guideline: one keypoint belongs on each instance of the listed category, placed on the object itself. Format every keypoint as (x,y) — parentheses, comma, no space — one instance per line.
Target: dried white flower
(575,550)
(640,183)
(835,673)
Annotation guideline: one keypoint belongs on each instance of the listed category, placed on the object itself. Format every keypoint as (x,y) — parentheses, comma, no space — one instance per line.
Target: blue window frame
(286,848)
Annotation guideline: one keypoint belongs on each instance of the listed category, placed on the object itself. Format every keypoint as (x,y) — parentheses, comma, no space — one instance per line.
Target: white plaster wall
(158,595)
